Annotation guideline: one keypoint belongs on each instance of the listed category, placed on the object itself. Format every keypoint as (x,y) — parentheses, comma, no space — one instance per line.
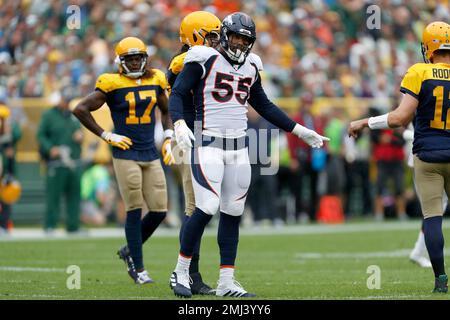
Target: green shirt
(56,129)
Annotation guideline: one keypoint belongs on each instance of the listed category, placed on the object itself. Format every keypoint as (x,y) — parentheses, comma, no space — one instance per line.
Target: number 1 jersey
(430,85)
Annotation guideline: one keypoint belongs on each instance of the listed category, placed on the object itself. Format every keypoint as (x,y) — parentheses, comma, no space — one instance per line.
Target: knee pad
(235,208)
(210,206)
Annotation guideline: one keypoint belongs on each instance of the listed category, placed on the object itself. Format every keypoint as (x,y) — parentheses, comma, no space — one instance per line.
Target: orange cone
(330,210)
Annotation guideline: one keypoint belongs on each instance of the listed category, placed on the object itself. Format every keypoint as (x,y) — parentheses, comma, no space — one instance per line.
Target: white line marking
(357,255)
(26,269)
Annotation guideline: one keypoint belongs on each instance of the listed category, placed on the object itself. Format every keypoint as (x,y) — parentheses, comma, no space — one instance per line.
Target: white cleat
(421,260)
(143,278)
(232,289)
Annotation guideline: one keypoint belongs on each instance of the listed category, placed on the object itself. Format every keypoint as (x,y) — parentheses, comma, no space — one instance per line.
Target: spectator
(60,136)
(301,161)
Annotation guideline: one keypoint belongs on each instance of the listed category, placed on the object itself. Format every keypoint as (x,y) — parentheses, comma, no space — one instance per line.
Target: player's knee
(210,206)
(234,209)
(158,200)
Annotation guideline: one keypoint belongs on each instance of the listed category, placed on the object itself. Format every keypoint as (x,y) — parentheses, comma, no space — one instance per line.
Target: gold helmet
(195,27)
(127,47)
(10,190)
(436,36)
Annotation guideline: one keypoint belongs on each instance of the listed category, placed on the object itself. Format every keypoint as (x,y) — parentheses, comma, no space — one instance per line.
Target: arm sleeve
(184,84)
(269,111)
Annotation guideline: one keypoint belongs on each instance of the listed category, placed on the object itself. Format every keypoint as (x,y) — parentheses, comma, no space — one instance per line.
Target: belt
(224,143)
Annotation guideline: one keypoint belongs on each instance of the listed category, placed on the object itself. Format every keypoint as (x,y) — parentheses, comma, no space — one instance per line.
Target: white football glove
(311,137)
(116,140)
(183,135)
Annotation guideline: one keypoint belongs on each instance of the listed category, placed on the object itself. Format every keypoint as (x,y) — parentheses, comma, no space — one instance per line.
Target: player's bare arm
(400,117)
(83,112)
(84,108)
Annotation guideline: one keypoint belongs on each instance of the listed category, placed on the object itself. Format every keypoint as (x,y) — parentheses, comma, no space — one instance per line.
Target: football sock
(226,274)
(193,231)
(228,238)
(150,222)
(182,263)
(434,240)
(134,237)
(183,224)
(193,267)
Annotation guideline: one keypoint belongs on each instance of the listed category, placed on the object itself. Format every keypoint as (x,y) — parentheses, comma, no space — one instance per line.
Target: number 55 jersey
(430,85)
(221,97)
(132,105)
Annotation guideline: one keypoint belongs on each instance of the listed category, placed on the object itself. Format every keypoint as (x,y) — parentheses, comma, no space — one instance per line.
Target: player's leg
(197,285)
(235,186)
(129,179)
(419,254)
(154,189)
(430,179)
(207,173)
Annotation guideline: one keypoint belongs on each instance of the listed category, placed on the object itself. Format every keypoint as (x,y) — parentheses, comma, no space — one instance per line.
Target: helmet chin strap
(136,74)
(237,56)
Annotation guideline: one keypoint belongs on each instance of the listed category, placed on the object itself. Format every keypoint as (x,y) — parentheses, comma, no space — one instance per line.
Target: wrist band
(379,122)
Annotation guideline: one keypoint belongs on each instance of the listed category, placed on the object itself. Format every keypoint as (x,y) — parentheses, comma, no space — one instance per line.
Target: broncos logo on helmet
(241,24)
(131,57)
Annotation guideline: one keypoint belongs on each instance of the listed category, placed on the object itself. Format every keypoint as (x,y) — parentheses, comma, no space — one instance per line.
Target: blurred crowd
(310,49)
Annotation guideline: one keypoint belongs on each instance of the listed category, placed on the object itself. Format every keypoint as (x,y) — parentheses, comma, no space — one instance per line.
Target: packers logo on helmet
(10,190)
(127,49)
(197,26)
(436,36)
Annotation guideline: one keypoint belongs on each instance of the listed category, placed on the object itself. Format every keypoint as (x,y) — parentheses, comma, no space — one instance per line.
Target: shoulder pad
(177,63)
(105,82)
(160,77)
(199,54)
(255,59)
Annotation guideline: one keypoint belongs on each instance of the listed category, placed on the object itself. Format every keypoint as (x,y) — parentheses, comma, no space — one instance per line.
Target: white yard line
(357,255)
(24,234)
(26,269)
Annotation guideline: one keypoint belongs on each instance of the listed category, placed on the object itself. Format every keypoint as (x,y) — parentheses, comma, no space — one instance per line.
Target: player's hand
(116,140)
(355,127)
(311,137)
(183,135)
(167,154)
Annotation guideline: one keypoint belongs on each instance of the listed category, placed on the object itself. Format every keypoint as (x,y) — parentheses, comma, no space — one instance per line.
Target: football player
(197,28)
(132,95)
(426,101)
(222,82)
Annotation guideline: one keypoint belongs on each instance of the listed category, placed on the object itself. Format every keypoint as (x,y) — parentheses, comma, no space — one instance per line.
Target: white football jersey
(221,98)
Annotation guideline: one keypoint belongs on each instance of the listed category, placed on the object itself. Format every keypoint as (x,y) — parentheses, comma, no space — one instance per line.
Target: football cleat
(199,287)
(124,254)
(440,284)
(180,284)
(143,278)
(232,289)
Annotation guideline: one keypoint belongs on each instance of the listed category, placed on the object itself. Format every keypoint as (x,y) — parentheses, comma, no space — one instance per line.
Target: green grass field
(308,262)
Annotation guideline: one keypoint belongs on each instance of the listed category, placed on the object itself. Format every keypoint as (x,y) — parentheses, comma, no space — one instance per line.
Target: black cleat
(440,284)
(124,254)
(199,287)
(179,283)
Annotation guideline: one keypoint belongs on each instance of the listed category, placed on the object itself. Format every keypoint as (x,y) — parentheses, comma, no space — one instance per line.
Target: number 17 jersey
(132,105)
(430,85)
